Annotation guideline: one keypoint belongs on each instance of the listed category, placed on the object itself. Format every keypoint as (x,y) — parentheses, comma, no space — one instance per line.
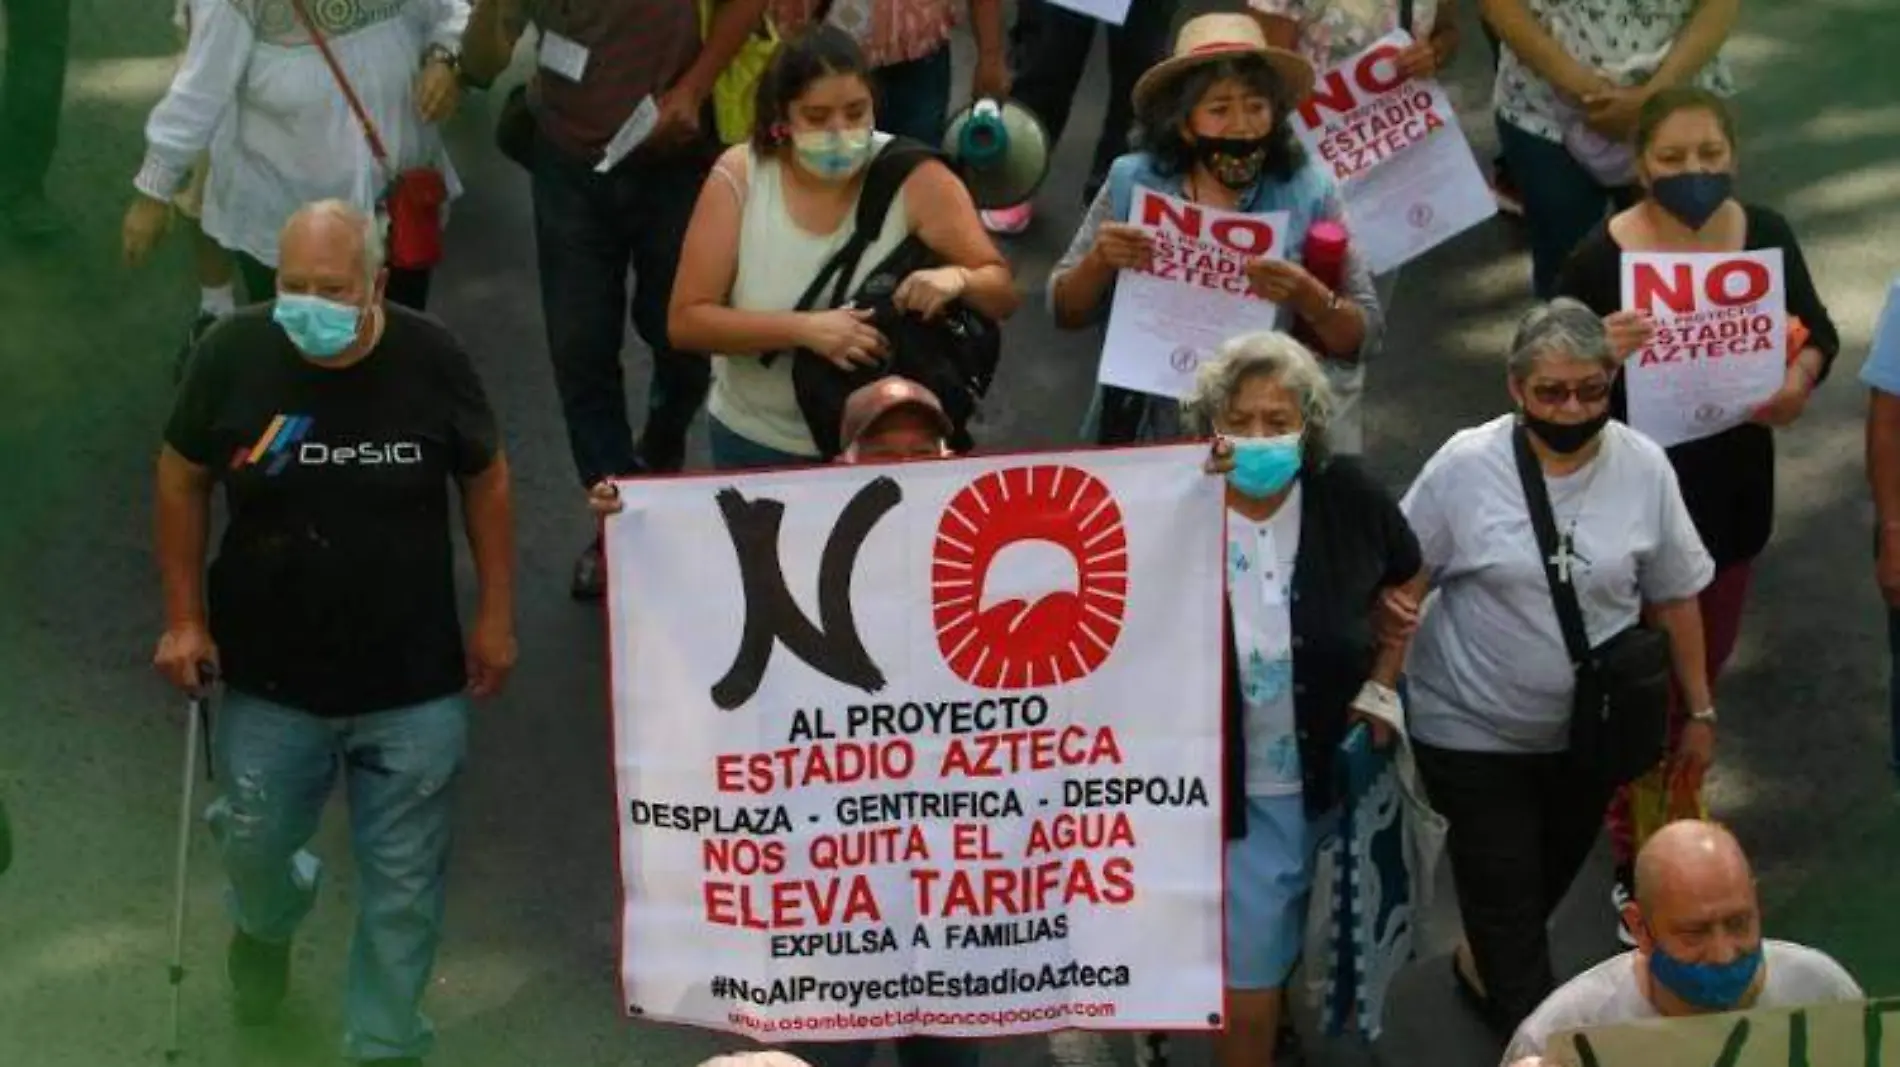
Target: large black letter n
(771,615)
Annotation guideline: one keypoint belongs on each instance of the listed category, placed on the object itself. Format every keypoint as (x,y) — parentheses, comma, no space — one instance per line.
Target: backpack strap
(883,180)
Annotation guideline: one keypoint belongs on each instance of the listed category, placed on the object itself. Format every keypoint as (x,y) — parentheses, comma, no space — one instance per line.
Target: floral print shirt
(889,31)
(1626,39)
(1333,31)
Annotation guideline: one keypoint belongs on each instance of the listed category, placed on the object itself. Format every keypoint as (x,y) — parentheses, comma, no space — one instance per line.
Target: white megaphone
(1002,151)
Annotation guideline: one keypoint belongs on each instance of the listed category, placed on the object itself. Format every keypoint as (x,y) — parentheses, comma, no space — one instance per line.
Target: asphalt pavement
(90,741)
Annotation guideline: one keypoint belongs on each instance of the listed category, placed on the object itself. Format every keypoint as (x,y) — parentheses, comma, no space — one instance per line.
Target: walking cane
(197,731)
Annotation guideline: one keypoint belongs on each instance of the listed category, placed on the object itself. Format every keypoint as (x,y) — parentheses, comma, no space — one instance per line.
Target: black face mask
(1692,198)
(1235,162)
(1565,438)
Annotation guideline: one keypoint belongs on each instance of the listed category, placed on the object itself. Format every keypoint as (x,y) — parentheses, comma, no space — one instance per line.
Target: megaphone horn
(1002,151)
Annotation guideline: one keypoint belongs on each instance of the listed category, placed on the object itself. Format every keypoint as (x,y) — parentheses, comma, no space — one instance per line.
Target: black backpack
(954,356)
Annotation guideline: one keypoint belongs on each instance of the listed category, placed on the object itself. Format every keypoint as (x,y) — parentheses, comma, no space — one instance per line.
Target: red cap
(872,402)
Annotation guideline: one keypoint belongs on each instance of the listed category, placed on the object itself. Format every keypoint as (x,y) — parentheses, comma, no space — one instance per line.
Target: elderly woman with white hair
(1491,681)
(1312,543)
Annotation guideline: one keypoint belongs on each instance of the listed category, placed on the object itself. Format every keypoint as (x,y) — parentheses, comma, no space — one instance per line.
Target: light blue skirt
(1269,873)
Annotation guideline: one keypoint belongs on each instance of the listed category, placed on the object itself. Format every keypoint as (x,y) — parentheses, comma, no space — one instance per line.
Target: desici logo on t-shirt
(286,440)
(991,638)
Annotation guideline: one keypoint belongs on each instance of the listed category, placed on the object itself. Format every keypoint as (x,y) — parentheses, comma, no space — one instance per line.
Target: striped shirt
(634,48)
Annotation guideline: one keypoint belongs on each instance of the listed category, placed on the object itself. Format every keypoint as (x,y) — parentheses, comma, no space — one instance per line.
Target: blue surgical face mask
(1264,465)
(321,329)
(834,155)
(1692,197)
(1709,986)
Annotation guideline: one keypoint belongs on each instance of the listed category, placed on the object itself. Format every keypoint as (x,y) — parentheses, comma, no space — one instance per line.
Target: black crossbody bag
(954,355)
(1619,717)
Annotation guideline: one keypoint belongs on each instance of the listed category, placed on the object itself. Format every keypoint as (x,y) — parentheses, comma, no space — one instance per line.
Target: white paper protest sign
(1847,1034)
(1721,343)
(1405,170)
(927,748)
(1113,12)
(1167,319)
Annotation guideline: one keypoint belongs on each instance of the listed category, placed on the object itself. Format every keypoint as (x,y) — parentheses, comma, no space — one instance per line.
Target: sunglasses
(1555,393)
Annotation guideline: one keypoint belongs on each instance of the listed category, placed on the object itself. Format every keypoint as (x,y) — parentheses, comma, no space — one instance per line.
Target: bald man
(1699,948)
(336,424)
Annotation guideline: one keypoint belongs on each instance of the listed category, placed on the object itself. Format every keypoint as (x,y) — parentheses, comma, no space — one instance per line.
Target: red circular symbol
(1061,637)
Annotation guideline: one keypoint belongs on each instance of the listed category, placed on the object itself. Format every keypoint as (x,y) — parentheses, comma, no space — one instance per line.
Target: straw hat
(1211,38)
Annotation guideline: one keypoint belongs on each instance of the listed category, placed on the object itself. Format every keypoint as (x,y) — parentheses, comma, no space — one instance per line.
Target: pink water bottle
(1324,256)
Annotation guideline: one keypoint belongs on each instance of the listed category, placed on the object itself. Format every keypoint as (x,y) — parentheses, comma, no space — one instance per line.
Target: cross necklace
(1566,555)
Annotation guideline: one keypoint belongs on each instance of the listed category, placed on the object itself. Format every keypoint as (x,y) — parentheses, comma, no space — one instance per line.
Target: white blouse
(256,92)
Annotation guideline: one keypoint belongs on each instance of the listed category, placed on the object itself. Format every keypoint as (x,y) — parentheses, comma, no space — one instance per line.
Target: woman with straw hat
(1212,127)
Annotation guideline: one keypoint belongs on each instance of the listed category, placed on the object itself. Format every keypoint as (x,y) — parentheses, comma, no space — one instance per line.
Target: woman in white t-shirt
(771,217)
(1572,76)
(1490,683)
(256,90)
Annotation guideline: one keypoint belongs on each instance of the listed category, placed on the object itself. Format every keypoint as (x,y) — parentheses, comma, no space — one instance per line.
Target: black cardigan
(1354,543)
(1728,480)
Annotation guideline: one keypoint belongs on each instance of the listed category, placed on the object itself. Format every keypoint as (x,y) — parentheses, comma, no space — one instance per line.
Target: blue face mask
(1693,198)
(1264,465)
(321,329)
(1710,986)
(833,155)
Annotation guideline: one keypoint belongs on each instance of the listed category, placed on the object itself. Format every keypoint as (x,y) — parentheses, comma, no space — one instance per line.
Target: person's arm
(947,222)
(1670,578)
(991,77)
(699,316)
(1347,321)
(1883,478)
(180,127)
(1697,44)
(1389,664)
(183,509)
(488,43)
(489,523)
(1682,621)
(1804,301)
(1083,278)
(1519,30)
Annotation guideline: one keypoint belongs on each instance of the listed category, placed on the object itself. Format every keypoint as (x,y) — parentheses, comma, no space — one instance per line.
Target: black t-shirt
(333,590)
(1728,480)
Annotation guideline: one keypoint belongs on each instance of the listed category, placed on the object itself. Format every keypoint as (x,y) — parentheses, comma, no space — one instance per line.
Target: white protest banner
(1169,317)
(1721,343)
(1846,1034)
(1113,12)
(1405,171)
(927,748)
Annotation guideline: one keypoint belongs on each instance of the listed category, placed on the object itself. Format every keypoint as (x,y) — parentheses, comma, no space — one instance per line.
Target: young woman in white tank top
(770,216)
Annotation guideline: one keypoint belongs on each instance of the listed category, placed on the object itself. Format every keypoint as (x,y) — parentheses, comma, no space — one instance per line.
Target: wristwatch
(1705,715)
(440,53)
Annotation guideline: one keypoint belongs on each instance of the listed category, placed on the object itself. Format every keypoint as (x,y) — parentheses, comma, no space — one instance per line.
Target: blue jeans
(731,452)
(914,97)
(1562,202)
(588,229)
(399,767)
(911,1052)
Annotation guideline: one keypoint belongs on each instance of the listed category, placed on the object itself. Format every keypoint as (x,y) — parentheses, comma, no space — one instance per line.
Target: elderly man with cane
(335,422)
